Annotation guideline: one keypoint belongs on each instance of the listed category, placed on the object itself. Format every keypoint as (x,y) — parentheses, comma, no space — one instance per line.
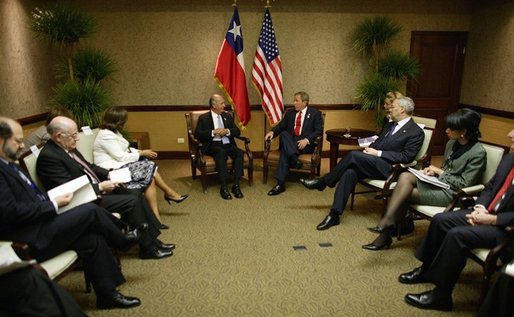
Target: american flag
(267,71)
(230,70)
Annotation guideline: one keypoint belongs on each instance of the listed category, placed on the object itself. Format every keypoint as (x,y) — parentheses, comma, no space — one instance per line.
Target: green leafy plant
(85,100)
(82,69)
(88,63)
(64,25)
(388,70)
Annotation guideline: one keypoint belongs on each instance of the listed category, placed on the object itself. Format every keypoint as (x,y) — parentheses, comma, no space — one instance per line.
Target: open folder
(82,190)
(428,179)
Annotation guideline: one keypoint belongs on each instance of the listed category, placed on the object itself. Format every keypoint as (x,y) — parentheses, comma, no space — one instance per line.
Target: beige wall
(489,67)
(166,52)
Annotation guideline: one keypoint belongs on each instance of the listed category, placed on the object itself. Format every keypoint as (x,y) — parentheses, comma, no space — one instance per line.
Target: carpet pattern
(237,258)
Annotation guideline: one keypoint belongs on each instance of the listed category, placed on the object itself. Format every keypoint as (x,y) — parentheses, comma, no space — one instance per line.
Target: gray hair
(407,104)
(56,126)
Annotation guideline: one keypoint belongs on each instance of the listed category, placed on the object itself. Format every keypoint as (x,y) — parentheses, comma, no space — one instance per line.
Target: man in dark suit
(216,130)
(60,162)
(399,142)
(452,235)
(298,130)
(28,215)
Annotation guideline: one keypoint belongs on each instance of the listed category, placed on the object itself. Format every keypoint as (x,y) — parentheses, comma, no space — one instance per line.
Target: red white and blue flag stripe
(230,70)
(267,71)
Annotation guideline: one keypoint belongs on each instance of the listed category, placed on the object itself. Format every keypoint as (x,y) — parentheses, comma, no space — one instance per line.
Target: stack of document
(428,179)
(82,190)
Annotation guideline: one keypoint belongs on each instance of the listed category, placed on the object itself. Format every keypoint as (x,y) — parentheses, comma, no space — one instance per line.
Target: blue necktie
(27,180)
(224,139)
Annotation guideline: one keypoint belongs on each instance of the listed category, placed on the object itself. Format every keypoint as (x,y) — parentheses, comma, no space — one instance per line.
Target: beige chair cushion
(378,183)
(481,253)
(85,144)
(56,265)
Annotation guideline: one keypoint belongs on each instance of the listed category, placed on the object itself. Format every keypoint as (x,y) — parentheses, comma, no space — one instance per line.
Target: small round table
(341,136)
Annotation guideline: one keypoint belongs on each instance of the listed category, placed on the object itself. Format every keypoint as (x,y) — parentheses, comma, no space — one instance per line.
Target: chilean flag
(230,70)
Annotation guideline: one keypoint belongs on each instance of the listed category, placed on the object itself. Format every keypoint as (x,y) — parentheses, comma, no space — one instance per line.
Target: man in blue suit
(298,130)
(399,142)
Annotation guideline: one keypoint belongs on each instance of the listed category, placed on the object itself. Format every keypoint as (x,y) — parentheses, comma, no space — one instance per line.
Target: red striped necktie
(495,203)
(298,124)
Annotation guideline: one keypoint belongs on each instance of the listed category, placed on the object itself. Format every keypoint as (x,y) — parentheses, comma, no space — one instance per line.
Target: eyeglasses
(73,135)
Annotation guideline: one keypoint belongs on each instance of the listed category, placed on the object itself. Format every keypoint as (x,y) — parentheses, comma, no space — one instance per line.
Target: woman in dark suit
(463,166)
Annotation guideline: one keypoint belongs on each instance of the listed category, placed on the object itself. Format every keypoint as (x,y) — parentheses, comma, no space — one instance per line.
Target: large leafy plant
(83,69)
(387,70)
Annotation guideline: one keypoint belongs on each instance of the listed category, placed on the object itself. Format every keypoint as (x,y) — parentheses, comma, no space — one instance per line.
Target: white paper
(428,179)
(365,142)
(87,130)
(509,269)
(35,150)
(81,188)
(9,260)
(121,175)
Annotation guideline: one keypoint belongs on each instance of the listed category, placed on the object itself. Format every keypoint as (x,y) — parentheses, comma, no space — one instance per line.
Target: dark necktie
(378,145)
(298,124)
(87,169)
(27,180)
(495,203)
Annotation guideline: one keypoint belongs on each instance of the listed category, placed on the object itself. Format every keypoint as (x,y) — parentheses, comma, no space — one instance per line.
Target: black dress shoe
(154,254)
(134,236)
(169,199)
(165,246)
(329,221)
(384,240)
(116,300)
(225,194)
(413,277)
(236,190)
(430,300)
(163,226)
(317,183)
(278,189)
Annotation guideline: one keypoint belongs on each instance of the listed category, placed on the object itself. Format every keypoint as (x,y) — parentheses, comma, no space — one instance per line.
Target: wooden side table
(341,136)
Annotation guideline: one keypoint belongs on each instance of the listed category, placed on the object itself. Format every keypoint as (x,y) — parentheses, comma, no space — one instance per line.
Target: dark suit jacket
(505,212)
(312,124)
(22,213)
(402,146)
(205,126)
(56,167)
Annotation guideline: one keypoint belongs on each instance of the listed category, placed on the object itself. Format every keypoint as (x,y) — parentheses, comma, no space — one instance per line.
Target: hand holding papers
(82,191)
(121,175)
(365,142)
(428,179)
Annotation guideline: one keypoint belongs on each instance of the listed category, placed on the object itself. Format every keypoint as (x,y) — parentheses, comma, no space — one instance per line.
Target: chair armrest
(243,138)
(267,148)
(495,252)
(247,146)
(471,190)
(316,154)
(396,170)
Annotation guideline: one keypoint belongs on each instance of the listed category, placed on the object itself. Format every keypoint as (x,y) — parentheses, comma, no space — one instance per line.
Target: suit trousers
(87,229)
(288,149)
(355,166)
(220,152)
(134,209)
(446,245)
(28,292)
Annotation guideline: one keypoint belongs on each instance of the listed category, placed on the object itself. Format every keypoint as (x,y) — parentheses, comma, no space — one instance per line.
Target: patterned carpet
(237,258)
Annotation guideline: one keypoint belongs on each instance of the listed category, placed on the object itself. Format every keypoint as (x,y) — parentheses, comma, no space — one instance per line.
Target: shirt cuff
(379,153)
(56,207)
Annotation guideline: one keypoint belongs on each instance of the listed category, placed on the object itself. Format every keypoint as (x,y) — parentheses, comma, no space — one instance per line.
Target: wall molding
(493,112)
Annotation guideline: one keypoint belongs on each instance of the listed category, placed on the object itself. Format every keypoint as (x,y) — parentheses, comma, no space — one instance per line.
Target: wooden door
(436,91)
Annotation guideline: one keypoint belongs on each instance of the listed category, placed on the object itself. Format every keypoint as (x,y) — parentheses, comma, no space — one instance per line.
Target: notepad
(428,179)
(121,175)
(82,190)
(365,142)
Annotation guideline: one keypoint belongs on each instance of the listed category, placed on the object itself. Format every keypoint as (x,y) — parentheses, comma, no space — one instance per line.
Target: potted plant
(83,69)
(387,70)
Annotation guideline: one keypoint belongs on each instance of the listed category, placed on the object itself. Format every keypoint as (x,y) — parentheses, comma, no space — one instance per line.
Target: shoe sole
(416,304)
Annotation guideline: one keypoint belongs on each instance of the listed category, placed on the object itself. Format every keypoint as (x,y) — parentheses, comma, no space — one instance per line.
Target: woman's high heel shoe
(169,199)
(384,240)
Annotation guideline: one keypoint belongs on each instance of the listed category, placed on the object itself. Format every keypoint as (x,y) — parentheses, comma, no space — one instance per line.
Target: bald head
(217,103)
(11,139)
(63,131)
